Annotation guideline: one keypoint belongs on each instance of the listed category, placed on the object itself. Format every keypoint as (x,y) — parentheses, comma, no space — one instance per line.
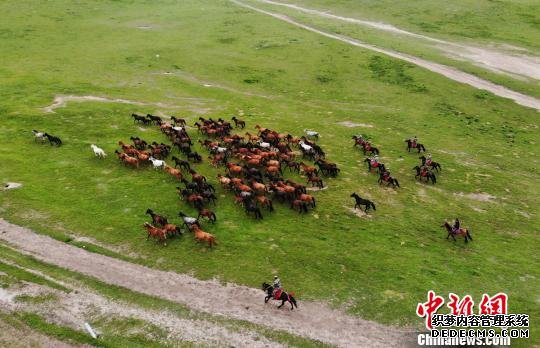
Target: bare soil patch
(61,101)
(316,188)
(351,124)
(481,196)
(11,185)
(358,212)
(311,320)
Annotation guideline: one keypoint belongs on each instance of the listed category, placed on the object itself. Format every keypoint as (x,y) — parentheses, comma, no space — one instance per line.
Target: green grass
(406,44)
(503,22)
(380,266)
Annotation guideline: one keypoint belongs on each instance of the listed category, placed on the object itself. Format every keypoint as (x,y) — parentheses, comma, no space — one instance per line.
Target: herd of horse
(424,171)
(253,171)
(253,166)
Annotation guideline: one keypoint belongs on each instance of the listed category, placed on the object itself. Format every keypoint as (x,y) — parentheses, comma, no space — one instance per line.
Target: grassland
(287,79)
(444,52)
(503,22)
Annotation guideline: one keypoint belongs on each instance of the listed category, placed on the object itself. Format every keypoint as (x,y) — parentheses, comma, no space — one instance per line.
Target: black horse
(385,177)
(412,145)
(284,297)
(251,207)
(181,163)
(53,140)
(194,156)
(154,119)
(365,202)
(432,165)
(425,174)
(139,118)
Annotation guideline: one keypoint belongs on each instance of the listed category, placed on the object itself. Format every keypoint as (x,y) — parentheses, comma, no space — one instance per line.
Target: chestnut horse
(154,232)
(202,236)
(461,232)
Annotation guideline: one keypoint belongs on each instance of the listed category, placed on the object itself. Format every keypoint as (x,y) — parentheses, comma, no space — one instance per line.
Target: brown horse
(238,122)
(460,232)
(315,181)
(177,173)
(127,160)
(308,199)
(308,169)
(158,233)
(202,236)
(172,230)
(207,213)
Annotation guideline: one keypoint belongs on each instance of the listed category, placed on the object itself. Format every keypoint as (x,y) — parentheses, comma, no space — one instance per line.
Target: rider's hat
(275,277)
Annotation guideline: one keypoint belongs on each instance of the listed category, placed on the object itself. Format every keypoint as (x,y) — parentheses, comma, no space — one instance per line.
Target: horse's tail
(375,150)
(469,235)
(433,178)
(396,182)
(373,206)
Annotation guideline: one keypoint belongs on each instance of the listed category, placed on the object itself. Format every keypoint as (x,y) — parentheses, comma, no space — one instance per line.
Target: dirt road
(447,71)
(314,320)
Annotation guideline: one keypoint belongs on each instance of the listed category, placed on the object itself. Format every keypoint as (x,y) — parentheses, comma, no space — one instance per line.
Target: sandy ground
(313,320)
(447,71)
(508,60)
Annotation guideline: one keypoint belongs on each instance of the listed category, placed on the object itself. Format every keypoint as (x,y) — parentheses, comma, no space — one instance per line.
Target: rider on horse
(277,287)
(374,160)
(428,159)
(385,175)
(455,228)
(414,141)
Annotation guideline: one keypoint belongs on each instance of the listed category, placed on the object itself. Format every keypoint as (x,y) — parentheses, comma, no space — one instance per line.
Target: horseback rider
(386,174)
(277,282)
(277,288)
(455,228)
(428,159)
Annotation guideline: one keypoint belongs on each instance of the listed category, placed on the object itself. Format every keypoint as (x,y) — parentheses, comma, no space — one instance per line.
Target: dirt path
(313,320)
(82,305)
(60,101)
(498,60)
(447,71)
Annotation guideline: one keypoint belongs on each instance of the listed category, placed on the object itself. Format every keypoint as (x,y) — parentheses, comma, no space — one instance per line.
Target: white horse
(311,133)
(98,151)
(264,145)
(306,147)
(39,135)
(178,129)
(158,164)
